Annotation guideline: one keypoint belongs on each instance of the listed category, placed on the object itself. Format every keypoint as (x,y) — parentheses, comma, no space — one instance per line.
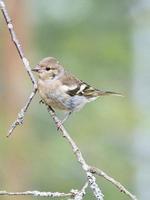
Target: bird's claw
(59,124)
(41,102)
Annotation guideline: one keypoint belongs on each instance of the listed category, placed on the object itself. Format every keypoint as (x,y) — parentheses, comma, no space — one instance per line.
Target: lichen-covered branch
(73,194)
(80,194)
(39,194)
(91,179)
(25,61)
(117,184)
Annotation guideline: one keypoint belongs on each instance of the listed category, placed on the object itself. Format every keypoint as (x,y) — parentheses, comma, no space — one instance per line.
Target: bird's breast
(52,94)
(55,95)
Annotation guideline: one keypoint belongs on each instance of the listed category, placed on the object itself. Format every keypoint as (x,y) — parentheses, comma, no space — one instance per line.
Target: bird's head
(48,68)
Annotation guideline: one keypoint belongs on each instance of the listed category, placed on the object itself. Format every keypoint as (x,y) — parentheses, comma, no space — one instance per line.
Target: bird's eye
(48,68)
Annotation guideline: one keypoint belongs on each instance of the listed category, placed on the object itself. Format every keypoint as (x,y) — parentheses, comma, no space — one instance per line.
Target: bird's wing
(78,87)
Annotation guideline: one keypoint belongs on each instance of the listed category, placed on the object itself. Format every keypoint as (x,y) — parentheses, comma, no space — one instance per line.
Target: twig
(80,194)
(21,114)
(117,184)
(73,194)
(91,179)
(16,41)
(37,193)
(77,195)
(25,61)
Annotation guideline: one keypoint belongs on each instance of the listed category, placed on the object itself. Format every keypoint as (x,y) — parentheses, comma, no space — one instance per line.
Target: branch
(73,194)
(117,184)
(16,41)
(25,61)
(80,194)
(91,179)
(41,194)
(21,114)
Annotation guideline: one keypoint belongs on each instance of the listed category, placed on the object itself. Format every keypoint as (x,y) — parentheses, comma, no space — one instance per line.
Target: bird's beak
(36,68)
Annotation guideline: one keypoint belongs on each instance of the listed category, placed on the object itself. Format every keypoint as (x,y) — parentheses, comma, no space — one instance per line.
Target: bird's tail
(107,93)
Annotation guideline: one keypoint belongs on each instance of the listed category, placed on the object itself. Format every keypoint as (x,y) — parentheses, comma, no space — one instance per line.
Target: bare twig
(37,193)
(21,114)
(25,61)
(73,194)
(91,179)
(16,41)
(117,184)
(89,171)
(80,194)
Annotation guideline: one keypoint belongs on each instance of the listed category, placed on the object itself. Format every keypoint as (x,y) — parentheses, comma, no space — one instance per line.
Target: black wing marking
(83,89)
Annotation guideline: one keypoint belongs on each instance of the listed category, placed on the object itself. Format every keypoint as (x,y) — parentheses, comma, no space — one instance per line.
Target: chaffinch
(61,90)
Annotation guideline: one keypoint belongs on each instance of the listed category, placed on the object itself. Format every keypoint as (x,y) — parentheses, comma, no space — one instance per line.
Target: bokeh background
(107,44)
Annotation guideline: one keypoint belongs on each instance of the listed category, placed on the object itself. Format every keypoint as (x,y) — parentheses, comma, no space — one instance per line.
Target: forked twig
(73,194)
(37,193)
(21,114)
(80,194)
(91,179)
(117,184)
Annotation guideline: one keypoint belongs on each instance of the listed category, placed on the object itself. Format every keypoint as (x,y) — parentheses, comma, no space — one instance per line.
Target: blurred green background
(105,43)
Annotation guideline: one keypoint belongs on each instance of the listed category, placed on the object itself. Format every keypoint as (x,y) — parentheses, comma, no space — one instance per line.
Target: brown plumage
(61,90)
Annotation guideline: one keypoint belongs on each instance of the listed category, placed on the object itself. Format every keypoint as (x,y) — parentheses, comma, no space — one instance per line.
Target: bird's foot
(59,124)
(41,102)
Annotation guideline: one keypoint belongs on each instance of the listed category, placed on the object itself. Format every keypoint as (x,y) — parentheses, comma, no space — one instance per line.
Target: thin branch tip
(19,120)
(117,184)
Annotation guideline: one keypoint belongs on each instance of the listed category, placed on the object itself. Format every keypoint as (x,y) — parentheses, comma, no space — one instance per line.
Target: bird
(61,90)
